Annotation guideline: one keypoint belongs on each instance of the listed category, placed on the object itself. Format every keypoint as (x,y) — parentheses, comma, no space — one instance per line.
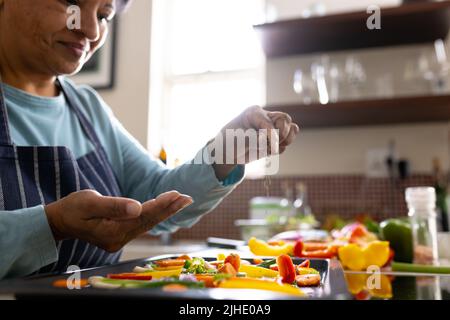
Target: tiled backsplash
(345,195)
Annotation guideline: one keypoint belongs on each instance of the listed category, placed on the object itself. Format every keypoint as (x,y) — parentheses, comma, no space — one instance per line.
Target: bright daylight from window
(211,68)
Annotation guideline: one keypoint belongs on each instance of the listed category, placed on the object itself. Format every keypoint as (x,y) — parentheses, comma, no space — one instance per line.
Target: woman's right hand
(110,222)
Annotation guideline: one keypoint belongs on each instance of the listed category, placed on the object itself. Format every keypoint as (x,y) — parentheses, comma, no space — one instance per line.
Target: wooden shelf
(370,112)
(406,24)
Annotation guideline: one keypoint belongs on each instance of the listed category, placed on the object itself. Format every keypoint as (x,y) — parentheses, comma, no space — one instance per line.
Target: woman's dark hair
(122,5)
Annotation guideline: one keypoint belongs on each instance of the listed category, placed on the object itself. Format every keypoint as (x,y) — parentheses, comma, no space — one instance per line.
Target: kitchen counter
(388,286)
(145,247)
(400,287)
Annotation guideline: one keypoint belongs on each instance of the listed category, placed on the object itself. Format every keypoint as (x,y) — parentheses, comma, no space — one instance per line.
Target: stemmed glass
(304,86)
(356,76)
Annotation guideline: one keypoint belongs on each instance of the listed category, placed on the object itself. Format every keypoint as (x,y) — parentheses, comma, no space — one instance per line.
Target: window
(207,67)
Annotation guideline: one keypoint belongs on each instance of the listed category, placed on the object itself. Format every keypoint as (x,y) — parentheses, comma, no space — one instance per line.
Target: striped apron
(32,176)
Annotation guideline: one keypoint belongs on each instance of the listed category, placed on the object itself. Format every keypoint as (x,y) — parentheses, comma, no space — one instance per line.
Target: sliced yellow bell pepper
(162,274)
(258,272)
(352,257)
(356,282)
(362,282)
(221,257)
(385,289)
(356,258)
(166,268)
(262,248)
(247,283)
(377,253)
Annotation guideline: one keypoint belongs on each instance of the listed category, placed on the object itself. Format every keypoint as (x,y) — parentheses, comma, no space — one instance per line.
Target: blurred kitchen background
(373,105)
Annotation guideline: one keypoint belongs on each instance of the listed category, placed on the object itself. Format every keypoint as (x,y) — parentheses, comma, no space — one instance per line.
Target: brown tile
(345,195)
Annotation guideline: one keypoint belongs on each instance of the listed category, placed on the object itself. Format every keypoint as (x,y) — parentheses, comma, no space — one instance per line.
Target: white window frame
(162,80)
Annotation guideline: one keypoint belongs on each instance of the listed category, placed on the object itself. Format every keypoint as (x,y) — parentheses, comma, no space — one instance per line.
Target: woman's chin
(68,70)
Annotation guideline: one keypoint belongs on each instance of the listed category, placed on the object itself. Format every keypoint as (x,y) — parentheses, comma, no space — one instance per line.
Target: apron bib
(32,176)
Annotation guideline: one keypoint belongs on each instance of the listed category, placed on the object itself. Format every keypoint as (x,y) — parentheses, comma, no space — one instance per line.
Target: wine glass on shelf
(319,73)
(356,76)
(304,86)
(435,68)
(335,77)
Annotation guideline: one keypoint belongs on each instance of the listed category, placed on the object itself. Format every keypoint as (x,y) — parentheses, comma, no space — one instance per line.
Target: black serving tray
(333,286)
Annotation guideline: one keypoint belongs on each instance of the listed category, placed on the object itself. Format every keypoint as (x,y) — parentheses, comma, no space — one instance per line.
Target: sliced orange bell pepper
(227,268)
(315,246)
(320,254)
(234,260)
(208,280)
(62,283)
(171,263)
(286,269)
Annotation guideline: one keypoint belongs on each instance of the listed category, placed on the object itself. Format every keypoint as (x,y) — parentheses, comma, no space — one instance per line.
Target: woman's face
(40,36)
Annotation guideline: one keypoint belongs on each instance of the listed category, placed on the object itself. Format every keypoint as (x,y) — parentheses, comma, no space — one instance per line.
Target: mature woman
(75,187)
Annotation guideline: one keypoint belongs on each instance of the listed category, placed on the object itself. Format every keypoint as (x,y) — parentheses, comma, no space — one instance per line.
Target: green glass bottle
(440,185)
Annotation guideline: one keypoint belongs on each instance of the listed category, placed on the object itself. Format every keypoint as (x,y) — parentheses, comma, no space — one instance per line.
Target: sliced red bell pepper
(286,268)
(298,248)
(130,276)
(305,264)
(274,267)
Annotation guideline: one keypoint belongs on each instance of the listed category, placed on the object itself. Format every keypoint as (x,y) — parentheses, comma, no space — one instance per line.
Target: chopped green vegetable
(187,264)
(266,264)
(198,266)
(152,284)
(150,265)
(222,276)
(211,271)
(418,268)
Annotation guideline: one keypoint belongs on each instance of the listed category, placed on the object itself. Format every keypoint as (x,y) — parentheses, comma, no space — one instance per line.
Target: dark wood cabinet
(413,23)
(370,112)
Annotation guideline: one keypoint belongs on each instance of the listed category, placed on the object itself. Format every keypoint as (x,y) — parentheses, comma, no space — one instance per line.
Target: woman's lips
(77,49)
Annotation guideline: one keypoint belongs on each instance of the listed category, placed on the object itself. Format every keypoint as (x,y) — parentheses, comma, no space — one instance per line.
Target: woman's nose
(90,27)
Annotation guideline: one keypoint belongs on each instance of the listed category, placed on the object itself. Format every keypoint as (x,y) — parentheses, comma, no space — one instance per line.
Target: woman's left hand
(256,118)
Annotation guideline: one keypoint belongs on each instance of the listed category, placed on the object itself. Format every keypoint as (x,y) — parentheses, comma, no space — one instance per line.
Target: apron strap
(90,132)
(5,137)
(85,123)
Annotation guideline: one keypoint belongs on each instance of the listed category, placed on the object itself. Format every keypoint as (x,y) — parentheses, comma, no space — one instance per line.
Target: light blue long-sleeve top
(26,241)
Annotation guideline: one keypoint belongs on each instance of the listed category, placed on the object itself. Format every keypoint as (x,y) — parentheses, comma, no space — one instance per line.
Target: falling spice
(267,183)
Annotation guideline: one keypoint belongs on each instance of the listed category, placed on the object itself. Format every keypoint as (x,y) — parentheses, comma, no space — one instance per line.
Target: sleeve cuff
(203,164)
(235,176)
(43,243)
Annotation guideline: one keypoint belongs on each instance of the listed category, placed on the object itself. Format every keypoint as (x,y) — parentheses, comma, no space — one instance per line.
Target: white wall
(343,150)
(130,98)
